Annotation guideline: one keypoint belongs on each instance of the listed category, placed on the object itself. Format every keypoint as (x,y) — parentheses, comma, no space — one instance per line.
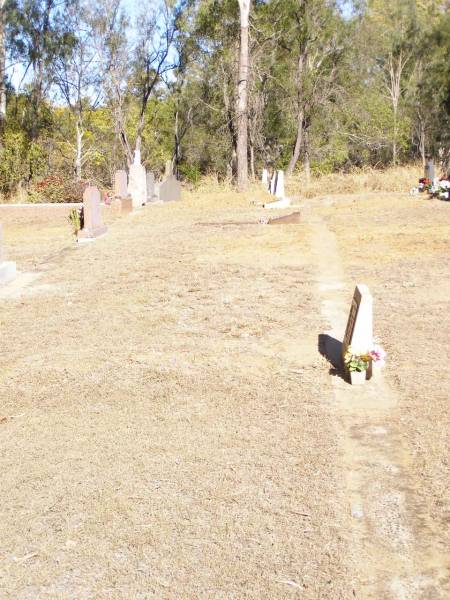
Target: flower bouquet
(356,365)
(377,359)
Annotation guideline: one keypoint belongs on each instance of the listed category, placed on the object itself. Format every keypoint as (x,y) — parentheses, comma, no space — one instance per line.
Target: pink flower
(378,355)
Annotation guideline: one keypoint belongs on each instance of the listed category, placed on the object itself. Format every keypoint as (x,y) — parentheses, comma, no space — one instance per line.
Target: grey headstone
(170,190)
(429,169)
(93,224)
(168,169)
(120,184)
(151,187)
(137,185)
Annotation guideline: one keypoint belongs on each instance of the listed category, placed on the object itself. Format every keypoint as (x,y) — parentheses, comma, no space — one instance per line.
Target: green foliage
(13,162)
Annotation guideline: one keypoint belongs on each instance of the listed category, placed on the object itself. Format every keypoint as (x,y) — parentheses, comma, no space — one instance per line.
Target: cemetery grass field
(169,428)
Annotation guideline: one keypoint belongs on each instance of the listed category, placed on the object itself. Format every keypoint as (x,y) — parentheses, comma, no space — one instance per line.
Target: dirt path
(381,482)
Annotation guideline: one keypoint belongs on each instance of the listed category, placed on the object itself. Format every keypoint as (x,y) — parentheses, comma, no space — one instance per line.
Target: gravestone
(137,185)
(120,184)
(151,197)
(265,178)
(429,169)
(170,190)
(359,331)
(279,185)
(273,183)
(126,205)
(168,169)
(93,226)
(7,268)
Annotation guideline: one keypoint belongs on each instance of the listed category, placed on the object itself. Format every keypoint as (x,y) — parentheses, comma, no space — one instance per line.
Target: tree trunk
(298,144)
(79,155)
(2,68)
(242,115)
(306,160)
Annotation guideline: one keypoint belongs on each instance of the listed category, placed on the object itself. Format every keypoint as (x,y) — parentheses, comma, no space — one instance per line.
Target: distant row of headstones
(131,190)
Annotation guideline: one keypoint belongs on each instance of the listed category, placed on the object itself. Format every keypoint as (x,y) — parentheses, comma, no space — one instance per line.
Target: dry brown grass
(165,433)
(393,179)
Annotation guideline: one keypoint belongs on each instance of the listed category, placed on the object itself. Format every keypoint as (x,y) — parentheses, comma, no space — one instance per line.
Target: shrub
(57,189)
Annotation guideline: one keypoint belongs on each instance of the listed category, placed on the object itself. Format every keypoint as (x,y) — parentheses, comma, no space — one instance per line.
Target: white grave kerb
(359,331)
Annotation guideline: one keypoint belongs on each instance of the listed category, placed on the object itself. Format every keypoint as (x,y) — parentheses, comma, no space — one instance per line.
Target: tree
(241,109)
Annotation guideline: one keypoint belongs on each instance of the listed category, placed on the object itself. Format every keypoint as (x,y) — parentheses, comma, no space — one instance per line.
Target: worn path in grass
(170,429)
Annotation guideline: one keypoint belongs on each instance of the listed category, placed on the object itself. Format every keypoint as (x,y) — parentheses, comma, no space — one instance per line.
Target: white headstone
(92,215)
(137,185)
(279,187)
(7,268)
(359,331)
(273,183)
(265,178)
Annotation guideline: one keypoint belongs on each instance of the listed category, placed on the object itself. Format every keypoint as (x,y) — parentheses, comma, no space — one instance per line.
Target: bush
(57,189)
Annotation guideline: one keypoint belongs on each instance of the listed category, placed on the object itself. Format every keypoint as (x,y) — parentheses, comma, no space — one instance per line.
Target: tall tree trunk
(79,154)
(300,114)
(242,87)
(2,69)
(306,159)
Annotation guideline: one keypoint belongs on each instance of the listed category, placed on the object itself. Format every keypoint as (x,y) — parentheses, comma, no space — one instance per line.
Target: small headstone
(279,185)
(359,331)
(150,187)
(7,268)
(137,185)
(170,190)
(429,169)
(265,178)
(126,205)
(168,169)
(92,215)
(121,184)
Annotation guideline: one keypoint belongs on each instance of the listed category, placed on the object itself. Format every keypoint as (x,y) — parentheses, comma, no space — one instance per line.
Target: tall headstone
(151,197)
(137,185)
(265,178)
(429,169)
(7,268)
(273,183)
(170,190)
(93,226)
(120,184)
(168,169)
(359,331)
(279,186)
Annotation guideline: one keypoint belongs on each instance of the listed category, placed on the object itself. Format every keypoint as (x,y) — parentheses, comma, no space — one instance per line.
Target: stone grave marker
(273,183)
(359,331)
(279,185)
(168,169)
(137,185)
(170,190)
(265,179)
(120,184)
(93,225)
(7,268)
(151,196)
(429,169)
(126,205)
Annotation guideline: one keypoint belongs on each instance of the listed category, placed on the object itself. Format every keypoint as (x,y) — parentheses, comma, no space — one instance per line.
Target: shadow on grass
(331,349)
